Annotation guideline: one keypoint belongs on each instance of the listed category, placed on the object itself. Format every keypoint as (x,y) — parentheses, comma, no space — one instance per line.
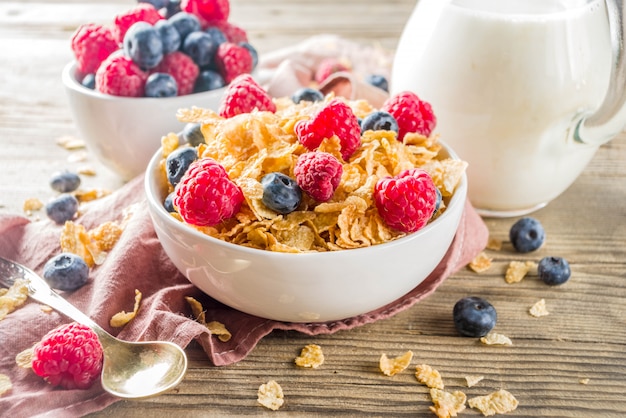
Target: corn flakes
(310,356)
(517,270)
(270,395)
(13,297)
(493,338)
(447,404)
(395,365)
(471,380)
(31,205)
(215,328)
(481,263)
(5,384)
(539,309)
(122,318)
(429,376)
(24,358)
(500,402)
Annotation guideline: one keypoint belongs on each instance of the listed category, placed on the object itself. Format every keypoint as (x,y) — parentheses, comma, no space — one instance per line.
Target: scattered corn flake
(539,309)
(393,366)
(428,376)
(32,204)
(471,380)
(219,329)
(24,358)
(93,245)
(584,381)
(46,309)
(70,142)
(14,297)
(447,404)
(86,171)
(196,309)
(493,338)
(311,356)
(169,143)
(500,402)
(215,328)
(78,157)
(91,194)
(481,263)
(5,384)
(122,318)
(517,270)
(270,395)
(494,244)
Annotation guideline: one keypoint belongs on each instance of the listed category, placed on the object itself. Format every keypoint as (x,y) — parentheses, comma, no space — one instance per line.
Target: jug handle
(610,118)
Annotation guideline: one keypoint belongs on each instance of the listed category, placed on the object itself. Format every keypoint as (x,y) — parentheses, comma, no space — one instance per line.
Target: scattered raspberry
(205,195)
(180,66)
(211,10)
(92,44)
(234,33)
(233,60)
(328,67)
(318,174)
(336,118)
(406,202)
(69,356)
(118,75)
(412,114)
(243,95)
(142,12)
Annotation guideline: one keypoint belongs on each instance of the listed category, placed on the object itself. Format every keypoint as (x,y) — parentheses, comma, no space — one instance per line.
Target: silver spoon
(130,369)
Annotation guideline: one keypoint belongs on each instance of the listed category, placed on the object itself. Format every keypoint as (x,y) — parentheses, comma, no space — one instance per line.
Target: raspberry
(406,202)
(233,60)
(118,75)
(328,67)
(243,95)
(182,68)
(336,118)
(412,114)
(233,33)
(91,44)
(69,356)
(206,196)
(318,174)
(143,12)
(212,10)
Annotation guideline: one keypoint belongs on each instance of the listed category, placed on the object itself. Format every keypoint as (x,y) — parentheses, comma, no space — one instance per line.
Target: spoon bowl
(130,370)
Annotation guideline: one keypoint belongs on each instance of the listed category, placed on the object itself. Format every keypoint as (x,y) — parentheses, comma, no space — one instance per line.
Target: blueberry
(378,80)
(208,80)
(178,162)
(185,23)
(65,181)
(168,203)
(437,202)
(554,270)
(161,85)
(62,209)
(281,193)
(307,94)
(201,47)
(142,43)
(192,134)
(253,53)
(474,316)
(89,81)
(527,234)
(379,121)
(66,271)
(169,36)
(158,4)
(217,34)
(170,9)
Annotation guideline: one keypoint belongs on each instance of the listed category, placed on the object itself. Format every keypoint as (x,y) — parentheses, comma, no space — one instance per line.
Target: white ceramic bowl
(308,287)
(124,132)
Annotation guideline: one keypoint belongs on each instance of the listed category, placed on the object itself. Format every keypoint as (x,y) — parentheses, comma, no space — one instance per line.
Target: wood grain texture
(584,337)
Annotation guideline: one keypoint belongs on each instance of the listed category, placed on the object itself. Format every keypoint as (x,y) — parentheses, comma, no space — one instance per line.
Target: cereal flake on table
(494,244)
(584,381)
(270,395)
(5,384)
(214,327)
(13,297)
(395,365)
(70,142)
(473,380)
(311,356)
(32,205)
(480,263)
(429,376)
(24,358)
(447,404)
(517,270)
(499,402)
(122,318)
(539,309)
(494,338)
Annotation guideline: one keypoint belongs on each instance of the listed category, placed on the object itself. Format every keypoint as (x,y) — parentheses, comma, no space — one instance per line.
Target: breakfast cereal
(215,328)
(393,366)
(494,338)
(499,402)
(311,356)
(539,309)
(24,358)
(517,270)
(447,404)
(428,376)
(472,380)
(122,318)
(270,395)
(5,384)
(480,263)
(13,297)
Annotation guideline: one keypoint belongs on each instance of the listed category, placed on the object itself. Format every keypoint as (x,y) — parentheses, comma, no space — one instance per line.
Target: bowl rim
(456,200)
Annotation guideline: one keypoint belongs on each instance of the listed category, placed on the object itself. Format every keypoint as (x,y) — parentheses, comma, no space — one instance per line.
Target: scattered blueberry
(554,270)
(62,209)
(201,47)
(438,201)
(66,271)
(142,43)
(281,193)
(169,36)
(161,85)
(217,34)
(379,121)
(185,23)
(89,81)
(377,80)
(171,8)
(253,53)
(65,181)
(527,234)
(307,94)
(158,4)
(192,134)
(178,162)
(208,80)
(168,203)
(474,316)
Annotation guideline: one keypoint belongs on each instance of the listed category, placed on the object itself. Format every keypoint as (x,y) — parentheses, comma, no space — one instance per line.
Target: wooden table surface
(547,368)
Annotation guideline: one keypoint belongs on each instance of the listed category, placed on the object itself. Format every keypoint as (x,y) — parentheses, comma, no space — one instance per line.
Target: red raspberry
(118,75)
(406,202)
(211,10)
(69,356)
(411,113)
(328,67)
(142,12)
(205,195)
(243,95)
(318,174)
(92,44)
(336,118)
(233,60)
(180,66)
(233,33)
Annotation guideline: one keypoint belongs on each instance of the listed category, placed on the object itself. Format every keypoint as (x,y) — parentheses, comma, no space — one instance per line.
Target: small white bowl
(307,287)
(124,132)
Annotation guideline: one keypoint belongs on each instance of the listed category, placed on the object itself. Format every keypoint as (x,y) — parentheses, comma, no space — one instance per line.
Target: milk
(505,79)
